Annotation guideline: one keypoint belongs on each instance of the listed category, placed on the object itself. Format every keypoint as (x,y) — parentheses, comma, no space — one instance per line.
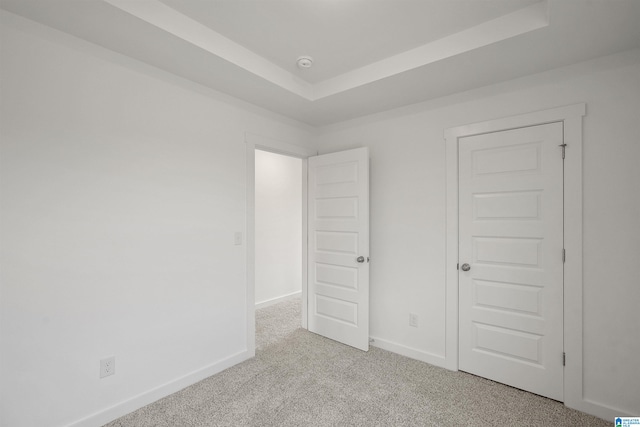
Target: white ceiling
(369,55)
(340,35)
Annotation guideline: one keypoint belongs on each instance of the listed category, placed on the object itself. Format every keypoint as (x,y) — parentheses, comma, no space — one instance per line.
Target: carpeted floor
(301,379)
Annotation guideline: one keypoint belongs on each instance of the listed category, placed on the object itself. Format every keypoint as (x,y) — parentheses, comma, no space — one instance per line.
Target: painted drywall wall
(278,232)
(408,214)
(122,189)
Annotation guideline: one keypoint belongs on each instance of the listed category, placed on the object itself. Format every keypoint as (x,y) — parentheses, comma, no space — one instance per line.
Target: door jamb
(571,117)
(253,142)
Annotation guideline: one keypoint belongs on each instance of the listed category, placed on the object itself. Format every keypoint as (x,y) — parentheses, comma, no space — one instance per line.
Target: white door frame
(571,117)
(254,142)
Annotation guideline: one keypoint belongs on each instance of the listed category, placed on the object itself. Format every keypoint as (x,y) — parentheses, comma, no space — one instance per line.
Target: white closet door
(511,238)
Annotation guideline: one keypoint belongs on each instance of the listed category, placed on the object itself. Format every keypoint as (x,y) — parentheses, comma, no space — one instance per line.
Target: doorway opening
(254,145)
(336,190)
(278,228)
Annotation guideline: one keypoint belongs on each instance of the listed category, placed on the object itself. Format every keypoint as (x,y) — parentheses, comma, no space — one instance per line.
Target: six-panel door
(511,235)
(338,295)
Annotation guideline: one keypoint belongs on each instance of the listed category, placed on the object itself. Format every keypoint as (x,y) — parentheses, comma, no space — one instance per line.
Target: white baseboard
(107,415)
(273,301)
(413,353)
(596,409)
(600,410)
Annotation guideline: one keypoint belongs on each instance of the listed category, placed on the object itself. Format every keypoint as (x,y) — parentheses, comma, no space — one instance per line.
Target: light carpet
(301,379)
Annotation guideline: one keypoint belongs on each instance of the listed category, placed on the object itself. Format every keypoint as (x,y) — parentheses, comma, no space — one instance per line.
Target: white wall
(122,188)
(408,214)
(278,232)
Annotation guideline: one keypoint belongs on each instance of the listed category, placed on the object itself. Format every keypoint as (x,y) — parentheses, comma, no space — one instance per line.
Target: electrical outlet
(107,366)
(413,320)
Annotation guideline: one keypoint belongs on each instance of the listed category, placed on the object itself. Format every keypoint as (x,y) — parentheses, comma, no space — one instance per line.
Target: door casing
(571,117)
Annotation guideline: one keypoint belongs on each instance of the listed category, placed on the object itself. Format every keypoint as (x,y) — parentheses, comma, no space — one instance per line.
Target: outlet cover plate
(107,366)
(413,320)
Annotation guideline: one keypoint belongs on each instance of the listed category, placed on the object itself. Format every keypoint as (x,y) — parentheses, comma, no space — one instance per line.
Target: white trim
(573,303)
(451,256)
(116,411)
(275,146)
(530,119)
(276,300)
(305,239)
(571,117)
(253,142)
(250,242)
(410,352)
(600,410)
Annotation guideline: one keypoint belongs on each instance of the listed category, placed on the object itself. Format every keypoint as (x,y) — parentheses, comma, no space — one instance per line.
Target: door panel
(511,234)
(339,234)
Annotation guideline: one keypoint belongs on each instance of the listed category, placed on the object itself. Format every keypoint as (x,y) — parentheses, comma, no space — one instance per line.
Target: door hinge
(564,359)
(458,266)
(563,145)
(564,255)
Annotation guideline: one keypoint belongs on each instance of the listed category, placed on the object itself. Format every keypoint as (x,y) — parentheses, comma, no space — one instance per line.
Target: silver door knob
(465,267)
(360,259)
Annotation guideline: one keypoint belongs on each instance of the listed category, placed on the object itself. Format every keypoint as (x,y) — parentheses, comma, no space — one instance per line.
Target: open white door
(338,247)
(511,257)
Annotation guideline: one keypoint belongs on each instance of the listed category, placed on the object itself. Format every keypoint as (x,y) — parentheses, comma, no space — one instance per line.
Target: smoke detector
(304,62)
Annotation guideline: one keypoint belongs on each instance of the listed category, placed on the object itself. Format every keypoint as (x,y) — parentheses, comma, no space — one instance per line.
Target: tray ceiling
(369,55)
